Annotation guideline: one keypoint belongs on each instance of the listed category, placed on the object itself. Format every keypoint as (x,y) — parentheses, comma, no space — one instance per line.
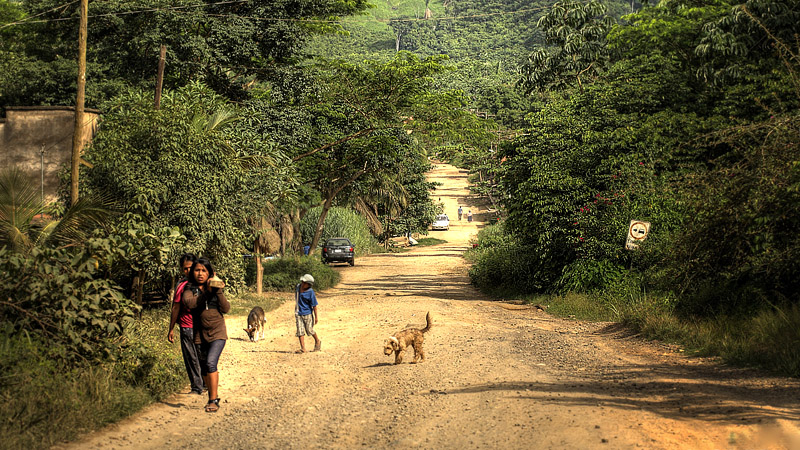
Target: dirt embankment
(497,375)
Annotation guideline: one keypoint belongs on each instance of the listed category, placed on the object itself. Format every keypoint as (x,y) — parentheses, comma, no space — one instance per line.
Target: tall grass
(340,222)
(47,400)
(769,339)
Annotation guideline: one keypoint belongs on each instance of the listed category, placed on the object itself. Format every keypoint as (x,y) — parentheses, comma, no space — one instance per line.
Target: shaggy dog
(255,324)
(409,337)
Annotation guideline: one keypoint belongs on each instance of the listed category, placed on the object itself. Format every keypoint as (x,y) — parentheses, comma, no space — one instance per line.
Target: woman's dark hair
(207,264)
(187,257)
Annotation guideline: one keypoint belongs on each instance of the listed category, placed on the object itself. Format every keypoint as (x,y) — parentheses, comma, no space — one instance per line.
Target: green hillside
(485,41)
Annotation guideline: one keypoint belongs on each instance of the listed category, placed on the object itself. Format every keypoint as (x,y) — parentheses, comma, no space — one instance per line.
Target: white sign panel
(637,231)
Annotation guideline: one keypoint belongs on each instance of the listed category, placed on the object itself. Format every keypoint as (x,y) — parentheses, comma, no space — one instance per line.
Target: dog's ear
(395,342)
(247,330)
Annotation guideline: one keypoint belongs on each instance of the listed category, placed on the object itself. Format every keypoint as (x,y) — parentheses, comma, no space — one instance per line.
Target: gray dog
(255,324)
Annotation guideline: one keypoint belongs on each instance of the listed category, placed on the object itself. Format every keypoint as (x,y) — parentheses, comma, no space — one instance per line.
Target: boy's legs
(301,332)
(305,326)
(191,360)
(317,343)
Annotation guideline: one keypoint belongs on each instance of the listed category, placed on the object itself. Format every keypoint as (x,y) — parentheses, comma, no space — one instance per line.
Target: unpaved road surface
(497,375)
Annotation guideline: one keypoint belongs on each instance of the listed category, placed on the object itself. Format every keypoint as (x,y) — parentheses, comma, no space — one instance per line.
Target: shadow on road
(449,287)
(689,395)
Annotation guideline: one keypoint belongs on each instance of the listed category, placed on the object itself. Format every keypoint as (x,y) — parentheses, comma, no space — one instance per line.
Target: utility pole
(160,75)
(41,162)
(77,136)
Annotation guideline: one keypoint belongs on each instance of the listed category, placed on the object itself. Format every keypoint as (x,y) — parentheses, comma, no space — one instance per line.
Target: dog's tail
(428,322)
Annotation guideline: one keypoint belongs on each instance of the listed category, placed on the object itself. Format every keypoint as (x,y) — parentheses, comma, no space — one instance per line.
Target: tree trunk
(297,240)
(326,206)
(137,286)
(77,133)
(259,274)
(282,233)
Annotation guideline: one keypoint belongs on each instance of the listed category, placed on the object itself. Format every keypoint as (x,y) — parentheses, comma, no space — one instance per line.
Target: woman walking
(208,304)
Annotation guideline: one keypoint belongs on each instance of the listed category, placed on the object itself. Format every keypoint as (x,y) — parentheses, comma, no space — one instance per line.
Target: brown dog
(409,337)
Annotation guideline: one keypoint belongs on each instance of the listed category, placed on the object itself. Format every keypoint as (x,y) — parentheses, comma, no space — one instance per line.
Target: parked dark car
(338,250)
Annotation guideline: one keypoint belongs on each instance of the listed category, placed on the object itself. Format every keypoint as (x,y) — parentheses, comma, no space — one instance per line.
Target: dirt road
(497,375)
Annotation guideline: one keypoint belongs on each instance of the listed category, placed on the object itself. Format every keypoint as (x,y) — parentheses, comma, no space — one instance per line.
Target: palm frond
(373,221)
(255,161)
(220,119)
(200,123)
(79,221)
(20,203)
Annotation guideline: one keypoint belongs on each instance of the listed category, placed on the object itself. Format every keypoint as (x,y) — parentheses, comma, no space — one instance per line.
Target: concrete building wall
(33,138)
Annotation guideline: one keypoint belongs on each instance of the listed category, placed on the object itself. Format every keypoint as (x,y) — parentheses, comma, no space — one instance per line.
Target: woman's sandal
(213,405)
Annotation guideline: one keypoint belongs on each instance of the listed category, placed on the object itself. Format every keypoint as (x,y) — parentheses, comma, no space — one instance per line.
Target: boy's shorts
(305,325)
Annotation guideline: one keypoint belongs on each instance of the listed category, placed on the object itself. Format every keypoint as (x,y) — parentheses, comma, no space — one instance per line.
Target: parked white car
(442,222)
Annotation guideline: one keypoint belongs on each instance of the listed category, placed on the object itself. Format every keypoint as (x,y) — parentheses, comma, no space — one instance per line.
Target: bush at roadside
(282,274)
(503,265)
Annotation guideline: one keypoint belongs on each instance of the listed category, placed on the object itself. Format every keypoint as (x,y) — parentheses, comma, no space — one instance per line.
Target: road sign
(637,231)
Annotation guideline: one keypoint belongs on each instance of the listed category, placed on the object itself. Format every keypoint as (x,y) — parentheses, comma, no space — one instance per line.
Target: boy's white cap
(307,278)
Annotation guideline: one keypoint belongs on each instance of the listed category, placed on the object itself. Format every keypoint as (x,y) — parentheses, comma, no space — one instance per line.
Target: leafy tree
(735,44)
(226,45)
(188,165)
(578,32)
(365,118)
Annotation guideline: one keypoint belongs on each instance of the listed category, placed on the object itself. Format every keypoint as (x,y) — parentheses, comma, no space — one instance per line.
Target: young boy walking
(305,312)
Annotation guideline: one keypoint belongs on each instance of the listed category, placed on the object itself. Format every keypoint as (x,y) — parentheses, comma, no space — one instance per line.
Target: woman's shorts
(209,356)
(305,325)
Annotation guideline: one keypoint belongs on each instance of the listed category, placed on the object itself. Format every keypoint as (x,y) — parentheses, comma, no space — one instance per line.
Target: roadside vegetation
(282,274)
(682,117)
(273,135)
(255,151)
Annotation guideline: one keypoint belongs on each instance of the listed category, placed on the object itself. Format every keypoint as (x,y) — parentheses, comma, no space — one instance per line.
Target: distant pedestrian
(182,316)
(305,311)
(460,212)
(469,216)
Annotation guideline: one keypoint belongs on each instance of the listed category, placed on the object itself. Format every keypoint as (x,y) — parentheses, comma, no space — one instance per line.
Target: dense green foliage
(57,295)
(503,264)
(676,132)
(191,166)
(577,33)
(223,44)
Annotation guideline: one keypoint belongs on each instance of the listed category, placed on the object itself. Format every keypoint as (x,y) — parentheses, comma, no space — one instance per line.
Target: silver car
(442,222)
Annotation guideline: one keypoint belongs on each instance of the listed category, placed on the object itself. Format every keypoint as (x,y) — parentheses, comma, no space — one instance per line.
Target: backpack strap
(297,300)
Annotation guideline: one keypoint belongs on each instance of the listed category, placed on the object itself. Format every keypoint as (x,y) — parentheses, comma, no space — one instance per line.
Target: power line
(264,19)
(27,19)
(123,13)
